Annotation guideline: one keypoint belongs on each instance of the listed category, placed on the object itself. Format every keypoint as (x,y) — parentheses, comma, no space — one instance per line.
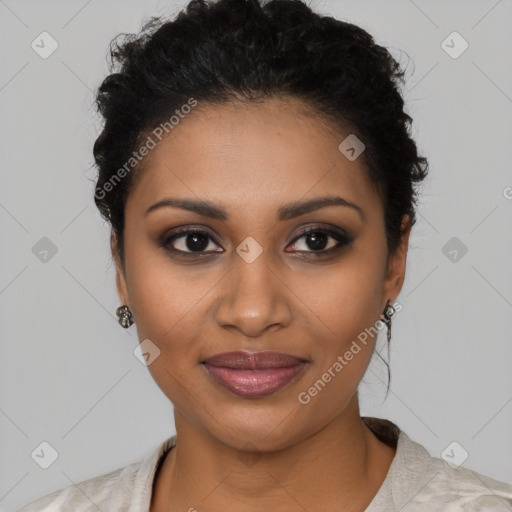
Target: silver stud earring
(125,316)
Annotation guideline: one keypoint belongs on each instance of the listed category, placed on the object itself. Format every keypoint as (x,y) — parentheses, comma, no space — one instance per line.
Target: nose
(254,298)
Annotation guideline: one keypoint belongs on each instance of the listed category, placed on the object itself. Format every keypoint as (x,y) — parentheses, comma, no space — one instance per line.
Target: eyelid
(340,232)
(342,237)
(167,238)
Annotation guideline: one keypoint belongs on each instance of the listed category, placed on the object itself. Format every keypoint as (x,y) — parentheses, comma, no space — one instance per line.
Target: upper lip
(262,360)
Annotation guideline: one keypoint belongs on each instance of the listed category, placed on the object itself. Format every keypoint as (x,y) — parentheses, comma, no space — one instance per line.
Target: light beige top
(415,482)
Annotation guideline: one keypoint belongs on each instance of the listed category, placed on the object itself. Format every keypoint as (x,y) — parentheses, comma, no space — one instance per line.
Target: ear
(122,288)
(395,273)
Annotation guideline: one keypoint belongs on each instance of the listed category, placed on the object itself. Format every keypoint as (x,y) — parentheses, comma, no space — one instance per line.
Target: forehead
(256,155)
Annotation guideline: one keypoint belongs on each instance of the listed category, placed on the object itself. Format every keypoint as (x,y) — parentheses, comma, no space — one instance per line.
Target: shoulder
(130,485)
(86,495)
(418,482)
(421,481)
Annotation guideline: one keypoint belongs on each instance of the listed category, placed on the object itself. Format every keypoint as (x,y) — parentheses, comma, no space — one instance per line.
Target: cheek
(343,301)
(170,304)
(160,293)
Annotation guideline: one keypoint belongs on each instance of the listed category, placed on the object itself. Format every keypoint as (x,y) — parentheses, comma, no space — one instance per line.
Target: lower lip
(253,383)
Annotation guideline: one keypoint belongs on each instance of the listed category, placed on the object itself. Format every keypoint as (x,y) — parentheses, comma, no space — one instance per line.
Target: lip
(246,360)
(254,374)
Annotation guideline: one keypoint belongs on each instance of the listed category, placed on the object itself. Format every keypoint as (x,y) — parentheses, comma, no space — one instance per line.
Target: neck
(342,463)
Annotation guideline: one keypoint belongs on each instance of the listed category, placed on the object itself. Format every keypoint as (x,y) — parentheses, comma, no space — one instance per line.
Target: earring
(389,312)
(125,316)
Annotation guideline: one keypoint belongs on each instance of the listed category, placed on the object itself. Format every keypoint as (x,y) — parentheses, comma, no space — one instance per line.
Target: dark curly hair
(214,52)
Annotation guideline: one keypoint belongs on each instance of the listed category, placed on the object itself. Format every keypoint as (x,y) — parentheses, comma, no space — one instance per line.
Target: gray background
(68,373)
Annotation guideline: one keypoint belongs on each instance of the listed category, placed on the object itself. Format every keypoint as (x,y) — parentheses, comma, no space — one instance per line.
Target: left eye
(318,240)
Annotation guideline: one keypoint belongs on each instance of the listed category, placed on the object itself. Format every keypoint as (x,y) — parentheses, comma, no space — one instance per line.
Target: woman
(257,170)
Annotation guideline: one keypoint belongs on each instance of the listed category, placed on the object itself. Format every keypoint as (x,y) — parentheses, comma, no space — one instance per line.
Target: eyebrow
(284,212)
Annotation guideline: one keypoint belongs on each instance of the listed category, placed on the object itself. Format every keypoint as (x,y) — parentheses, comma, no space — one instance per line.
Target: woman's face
(251,280)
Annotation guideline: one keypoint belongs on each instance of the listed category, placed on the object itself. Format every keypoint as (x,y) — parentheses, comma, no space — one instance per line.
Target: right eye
(189,242)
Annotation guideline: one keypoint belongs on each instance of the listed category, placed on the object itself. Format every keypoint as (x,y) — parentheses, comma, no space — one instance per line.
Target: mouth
(254,374)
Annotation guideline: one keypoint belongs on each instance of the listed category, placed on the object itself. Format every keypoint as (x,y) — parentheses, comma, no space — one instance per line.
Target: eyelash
(342,239)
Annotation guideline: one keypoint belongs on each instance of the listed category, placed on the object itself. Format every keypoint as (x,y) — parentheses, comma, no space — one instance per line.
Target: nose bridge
(253,272)
(253,277)
(253,299)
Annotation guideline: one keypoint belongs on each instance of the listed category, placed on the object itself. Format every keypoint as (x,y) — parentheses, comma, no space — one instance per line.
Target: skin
(251,159)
